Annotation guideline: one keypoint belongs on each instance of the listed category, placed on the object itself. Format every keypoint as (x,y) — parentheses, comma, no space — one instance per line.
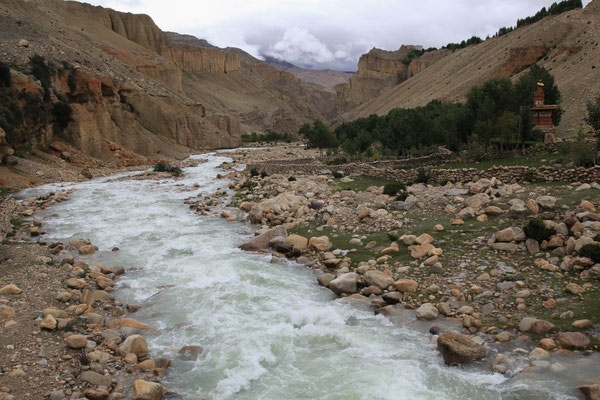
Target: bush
(170,168)
(591,250)
(392,188)
(536,229)
(249,185)
(62,114)
(528,176)
(263,174)
(423,175)
(253,172)
(5,75)
(315,205)
(401,196)
(337,174)
(292,179)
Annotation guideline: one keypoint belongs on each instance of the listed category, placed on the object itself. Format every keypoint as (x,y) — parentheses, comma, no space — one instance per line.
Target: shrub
(315,205)
(536,229)
(292,179)
(337,174)
(591,250)
(62,113)
(423,175)
(401,196)
(253,172)
(264,174)
(170,168)
(392,188)
(528,176)
(249,185)
(5,75)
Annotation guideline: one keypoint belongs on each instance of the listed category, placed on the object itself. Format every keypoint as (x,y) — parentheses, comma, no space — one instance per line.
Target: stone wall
(376,170)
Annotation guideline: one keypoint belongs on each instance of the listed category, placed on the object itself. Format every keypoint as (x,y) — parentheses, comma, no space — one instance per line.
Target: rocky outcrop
(379,70)
(198,60)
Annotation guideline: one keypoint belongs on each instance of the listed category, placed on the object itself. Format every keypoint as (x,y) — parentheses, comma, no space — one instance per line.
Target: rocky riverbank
(64,334)
(458,251)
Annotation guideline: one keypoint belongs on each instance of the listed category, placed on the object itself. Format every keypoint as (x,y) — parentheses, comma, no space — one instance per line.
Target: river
(268,331)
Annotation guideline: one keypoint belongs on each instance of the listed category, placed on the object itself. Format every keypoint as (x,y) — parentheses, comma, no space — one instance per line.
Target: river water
(268,331)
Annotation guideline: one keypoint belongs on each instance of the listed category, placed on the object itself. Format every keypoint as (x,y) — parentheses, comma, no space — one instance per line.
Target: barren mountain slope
(567,45)
(136,87)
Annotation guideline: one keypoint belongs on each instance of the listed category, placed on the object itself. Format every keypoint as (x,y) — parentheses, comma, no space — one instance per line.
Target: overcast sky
(330,33)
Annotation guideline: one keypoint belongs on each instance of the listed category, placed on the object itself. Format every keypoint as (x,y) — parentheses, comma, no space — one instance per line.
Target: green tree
(321,137)
(593,118)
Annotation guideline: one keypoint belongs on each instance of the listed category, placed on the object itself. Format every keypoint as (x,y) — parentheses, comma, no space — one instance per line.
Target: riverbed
(268,331)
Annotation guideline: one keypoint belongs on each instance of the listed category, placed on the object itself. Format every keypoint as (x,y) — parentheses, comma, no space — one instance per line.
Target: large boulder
(135,344)
(459,349)
(574,340)
(261,241)
(319,243)
(546,201)
(506,235)
(144,390)
(427,311)
(378,278)
(591,392)
(299,242)
(346,283)
(478,200)
(406,286)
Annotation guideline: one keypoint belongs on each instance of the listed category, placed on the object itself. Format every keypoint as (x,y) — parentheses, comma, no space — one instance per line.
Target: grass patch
(533,160)
(361,183)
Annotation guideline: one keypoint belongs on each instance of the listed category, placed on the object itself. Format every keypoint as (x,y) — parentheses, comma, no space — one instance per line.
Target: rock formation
(379,70)
(127,82)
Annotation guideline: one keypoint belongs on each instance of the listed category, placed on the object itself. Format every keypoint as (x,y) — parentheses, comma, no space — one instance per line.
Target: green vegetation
(4,191)
(391,189)
(496,117)
(423,175)
(318,135)
(170,168)
(591,250)
(536,229)
(361,183)
(579,151)
(43,72)
(62,114)
(267,137)
(593,118)
(5,79)
(456,46)
(253,172)
(555,9)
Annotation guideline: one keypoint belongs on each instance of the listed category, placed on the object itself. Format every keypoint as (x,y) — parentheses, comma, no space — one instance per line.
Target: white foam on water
(268,331)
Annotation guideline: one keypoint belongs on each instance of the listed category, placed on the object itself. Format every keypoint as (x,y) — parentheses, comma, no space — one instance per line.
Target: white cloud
(298,45)
(330,33)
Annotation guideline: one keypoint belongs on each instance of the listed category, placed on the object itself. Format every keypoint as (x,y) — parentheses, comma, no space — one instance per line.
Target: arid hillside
(566,44)
(132,84)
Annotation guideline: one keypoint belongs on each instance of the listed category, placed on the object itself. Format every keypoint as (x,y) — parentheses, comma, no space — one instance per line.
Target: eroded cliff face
(105,112)
(380,70)
(145,91)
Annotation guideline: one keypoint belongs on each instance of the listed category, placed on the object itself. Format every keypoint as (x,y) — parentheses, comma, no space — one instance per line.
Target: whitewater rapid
(268,331)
